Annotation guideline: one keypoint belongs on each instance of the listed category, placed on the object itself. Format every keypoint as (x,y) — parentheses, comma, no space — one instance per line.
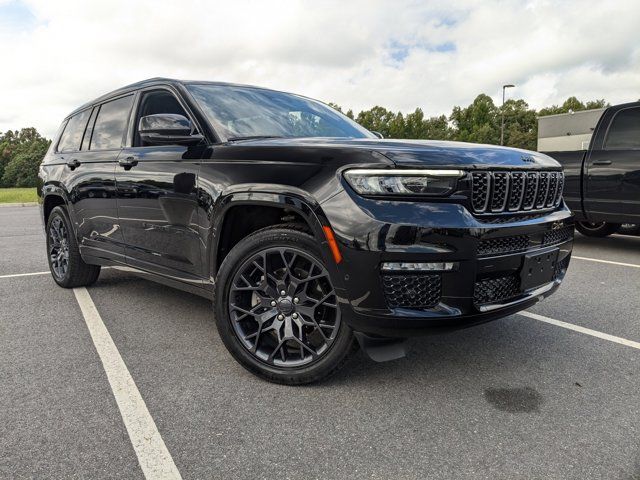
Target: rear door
(91,160)
(158,197)
(613,171)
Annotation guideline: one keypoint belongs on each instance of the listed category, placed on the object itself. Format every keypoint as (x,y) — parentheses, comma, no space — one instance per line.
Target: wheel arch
(52,197)
(292,207)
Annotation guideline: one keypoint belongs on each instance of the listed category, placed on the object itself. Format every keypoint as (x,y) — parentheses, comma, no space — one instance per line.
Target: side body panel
(157,206)
(612,176)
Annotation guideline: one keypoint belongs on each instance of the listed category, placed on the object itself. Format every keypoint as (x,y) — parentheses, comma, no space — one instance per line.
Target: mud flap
(382,349)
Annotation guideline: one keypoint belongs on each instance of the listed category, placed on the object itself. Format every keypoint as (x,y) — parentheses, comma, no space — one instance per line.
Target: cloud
(403,54)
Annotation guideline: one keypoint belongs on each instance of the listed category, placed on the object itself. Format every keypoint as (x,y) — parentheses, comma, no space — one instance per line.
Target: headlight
(403,182)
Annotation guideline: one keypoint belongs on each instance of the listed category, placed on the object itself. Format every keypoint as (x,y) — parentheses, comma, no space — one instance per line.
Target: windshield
(244,112)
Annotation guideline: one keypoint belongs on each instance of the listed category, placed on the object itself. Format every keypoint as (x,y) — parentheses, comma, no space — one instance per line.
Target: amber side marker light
(333,245)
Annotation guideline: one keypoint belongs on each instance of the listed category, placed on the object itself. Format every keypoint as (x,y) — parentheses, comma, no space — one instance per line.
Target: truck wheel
(598,229)
(277,311)
(66,265)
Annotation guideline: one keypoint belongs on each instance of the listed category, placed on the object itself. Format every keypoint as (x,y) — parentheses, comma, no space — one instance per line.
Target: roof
(151,82)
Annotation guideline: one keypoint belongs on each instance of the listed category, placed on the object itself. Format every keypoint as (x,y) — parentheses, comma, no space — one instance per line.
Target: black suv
(305,229)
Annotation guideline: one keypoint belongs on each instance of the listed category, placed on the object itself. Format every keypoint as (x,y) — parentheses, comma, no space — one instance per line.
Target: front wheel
(597,229)
(277,311)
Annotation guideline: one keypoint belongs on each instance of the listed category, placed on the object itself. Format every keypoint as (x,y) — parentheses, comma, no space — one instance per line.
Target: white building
(567,131)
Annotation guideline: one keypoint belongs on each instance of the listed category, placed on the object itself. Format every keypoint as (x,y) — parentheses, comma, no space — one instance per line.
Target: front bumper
(489,257)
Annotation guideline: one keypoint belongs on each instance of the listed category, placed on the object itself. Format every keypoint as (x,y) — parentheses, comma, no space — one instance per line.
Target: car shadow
(485,351)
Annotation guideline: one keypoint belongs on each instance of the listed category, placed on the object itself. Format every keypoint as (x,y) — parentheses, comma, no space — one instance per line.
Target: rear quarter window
(72,134)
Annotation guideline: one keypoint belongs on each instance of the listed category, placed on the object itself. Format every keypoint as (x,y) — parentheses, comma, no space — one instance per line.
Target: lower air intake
(412,291)
(491,290)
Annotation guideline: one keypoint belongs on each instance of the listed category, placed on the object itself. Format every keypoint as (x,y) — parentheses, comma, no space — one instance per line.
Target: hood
(425,153)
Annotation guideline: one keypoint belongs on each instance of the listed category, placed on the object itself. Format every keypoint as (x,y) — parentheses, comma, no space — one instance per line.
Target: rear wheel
(277,311)
(597,229)
(66,265)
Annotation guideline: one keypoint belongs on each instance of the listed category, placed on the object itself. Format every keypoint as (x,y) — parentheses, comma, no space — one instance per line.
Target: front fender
(292,199)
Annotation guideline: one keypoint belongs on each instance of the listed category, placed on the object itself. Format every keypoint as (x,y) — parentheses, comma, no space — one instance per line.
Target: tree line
(477,123)
(20,155)
(22,151)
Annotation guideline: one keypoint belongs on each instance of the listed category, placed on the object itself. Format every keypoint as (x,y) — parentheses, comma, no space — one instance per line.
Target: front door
(613,171)
(157,199)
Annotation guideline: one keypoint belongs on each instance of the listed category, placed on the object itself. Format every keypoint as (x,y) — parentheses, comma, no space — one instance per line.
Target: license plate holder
(538,268)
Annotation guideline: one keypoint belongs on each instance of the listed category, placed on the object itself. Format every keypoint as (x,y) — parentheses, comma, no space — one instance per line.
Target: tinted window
(72,135)
(111,123)
(624,132)
(152,103)
(87,133)
(245,111)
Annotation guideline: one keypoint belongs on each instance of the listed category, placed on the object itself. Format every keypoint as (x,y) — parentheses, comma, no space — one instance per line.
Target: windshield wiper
(253,137)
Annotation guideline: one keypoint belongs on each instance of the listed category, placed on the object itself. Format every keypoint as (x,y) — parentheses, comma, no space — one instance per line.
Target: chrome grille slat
(503,191)
(480,186)
(559,190)
(553,185)
(531,189)
(516,192)
(543,189)
(499,191)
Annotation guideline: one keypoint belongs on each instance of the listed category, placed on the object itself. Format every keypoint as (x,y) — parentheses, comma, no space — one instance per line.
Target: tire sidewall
(60,212)
(249,246)
(600,231)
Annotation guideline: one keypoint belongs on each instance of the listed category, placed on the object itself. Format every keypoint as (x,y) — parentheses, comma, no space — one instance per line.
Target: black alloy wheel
(276,309)
(283,307)
(58,248)
(67,266)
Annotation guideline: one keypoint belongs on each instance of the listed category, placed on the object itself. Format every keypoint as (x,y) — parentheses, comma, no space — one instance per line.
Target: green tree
(520,125)
(20,155)
(477,123)
(574,105)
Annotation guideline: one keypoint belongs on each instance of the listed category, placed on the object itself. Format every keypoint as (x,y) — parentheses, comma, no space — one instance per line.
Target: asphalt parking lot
(516,398)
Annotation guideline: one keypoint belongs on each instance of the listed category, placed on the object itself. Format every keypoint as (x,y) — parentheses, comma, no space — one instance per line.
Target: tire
(285,339)
(66,265)
(598,229)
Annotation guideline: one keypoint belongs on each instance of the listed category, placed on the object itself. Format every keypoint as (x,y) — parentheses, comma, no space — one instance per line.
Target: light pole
(504,87)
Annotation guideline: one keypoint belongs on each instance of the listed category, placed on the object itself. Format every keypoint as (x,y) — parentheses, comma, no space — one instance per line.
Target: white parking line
(586,331)
(153,456)
(24,274)
(605,261)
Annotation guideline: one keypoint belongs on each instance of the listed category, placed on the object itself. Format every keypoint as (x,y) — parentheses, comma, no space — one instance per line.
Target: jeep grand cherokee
(305,229)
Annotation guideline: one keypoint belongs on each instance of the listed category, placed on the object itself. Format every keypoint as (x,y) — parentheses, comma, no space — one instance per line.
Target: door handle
(128,162)
(73,163)
(602,162)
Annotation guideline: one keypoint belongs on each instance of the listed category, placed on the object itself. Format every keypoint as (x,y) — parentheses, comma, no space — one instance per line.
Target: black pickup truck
(602,184)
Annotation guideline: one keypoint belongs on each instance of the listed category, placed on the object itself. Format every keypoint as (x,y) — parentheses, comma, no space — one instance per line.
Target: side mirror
(378,134)
(167,129)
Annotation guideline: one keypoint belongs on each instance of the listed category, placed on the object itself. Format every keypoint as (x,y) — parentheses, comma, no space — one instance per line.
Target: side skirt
(205,291)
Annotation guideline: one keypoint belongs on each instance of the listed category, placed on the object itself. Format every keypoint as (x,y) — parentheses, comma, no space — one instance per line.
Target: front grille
(496,246)
(515,191)
(557,236)
(490,290)
(411,291)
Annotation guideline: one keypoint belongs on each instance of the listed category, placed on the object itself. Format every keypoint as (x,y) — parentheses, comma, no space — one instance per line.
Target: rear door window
(111,123)
(624,132)
(72,135)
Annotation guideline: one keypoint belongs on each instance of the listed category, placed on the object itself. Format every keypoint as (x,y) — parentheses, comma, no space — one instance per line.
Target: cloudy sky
(58,54)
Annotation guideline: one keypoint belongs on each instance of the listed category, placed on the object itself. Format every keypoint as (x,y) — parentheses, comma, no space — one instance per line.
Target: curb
(25,204)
